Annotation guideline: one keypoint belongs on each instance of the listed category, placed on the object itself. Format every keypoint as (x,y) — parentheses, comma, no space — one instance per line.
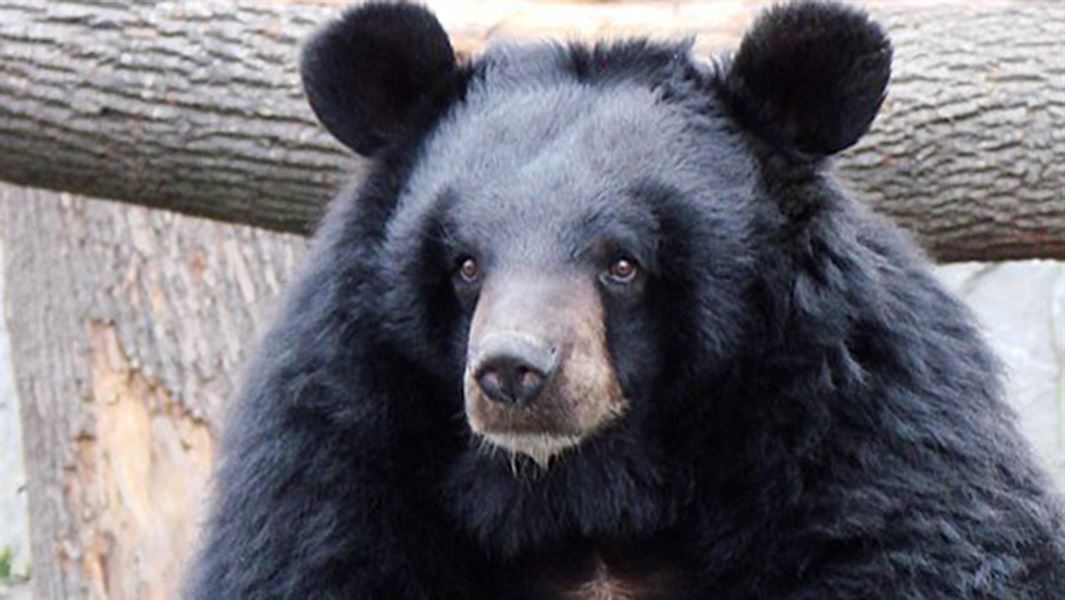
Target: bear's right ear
(366,72)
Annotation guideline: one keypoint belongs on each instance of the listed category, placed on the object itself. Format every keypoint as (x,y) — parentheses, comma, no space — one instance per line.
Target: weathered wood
(196,107)
(128,327)
(189,106)
(969,151)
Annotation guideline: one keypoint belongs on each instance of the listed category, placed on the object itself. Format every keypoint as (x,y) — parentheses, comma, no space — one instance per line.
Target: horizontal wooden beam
(196,107)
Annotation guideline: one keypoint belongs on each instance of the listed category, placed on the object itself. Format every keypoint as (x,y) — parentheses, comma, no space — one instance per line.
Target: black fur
(812,415)
(811,76)
(366,73)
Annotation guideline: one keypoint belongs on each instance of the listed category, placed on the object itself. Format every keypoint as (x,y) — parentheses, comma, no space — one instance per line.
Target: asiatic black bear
(599,324)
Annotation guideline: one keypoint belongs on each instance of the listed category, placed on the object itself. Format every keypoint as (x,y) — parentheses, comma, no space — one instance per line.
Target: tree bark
(128,326)
(196,107)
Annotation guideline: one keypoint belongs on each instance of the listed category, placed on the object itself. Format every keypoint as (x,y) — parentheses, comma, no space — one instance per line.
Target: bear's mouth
(545,430)
(541,432)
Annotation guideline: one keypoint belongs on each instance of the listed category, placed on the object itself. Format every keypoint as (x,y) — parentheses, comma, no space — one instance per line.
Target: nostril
(529,377)
(492,384)
(529,384)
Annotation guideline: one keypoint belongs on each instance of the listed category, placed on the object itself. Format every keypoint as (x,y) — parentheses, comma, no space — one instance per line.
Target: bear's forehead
(528,136)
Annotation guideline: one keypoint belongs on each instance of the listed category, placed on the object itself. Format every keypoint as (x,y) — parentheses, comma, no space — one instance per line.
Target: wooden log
(196,107)
(128,328)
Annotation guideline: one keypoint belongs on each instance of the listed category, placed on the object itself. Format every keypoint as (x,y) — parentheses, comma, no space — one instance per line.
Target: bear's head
(573,241)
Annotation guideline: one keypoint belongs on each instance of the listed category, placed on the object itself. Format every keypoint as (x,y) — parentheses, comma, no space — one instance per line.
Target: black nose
(513,369)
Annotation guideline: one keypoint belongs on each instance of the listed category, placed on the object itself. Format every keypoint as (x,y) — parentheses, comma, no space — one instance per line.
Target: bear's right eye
(469,271)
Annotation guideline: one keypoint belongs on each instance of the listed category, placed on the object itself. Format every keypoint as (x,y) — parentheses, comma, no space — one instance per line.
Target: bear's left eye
(469,270)
(623,270)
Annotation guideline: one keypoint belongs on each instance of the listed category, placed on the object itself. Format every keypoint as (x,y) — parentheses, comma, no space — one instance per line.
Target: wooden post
(128,330)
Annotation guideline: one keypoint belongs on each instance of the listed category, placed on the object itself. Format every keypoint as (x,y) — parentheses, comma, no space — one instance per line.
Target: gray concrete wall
(1021,306)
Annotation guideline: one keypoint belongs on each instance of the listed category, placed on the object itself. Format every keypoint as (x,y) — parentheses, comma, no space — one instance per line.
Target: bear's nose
(513,369)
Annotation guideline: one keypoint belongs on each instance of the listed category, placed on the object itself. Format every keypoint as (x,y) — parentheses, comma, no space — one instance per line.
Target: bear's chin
(542,448)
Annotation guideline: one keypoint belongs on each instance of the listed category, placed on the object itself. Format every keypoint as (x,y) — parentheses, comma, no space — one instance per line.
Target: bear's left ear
(810,76)
(365,73)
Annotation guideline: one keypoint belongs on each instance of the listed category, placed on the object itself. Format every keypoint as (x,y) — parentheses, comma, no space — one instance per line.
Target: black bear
(600,324)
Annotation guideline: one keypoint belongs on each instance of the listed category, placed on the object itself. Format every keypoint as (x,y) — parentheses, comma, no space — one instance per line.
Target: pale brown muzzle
(539,377)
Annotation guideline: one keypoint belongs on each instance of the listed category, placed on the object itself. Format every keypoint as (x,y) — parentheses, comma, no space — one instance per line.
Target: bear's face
(570,243)
(540,215)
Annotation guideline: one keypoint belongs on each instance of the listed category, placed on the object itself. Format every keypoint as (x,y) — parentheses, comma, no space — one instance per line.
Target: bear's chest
(612,573)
